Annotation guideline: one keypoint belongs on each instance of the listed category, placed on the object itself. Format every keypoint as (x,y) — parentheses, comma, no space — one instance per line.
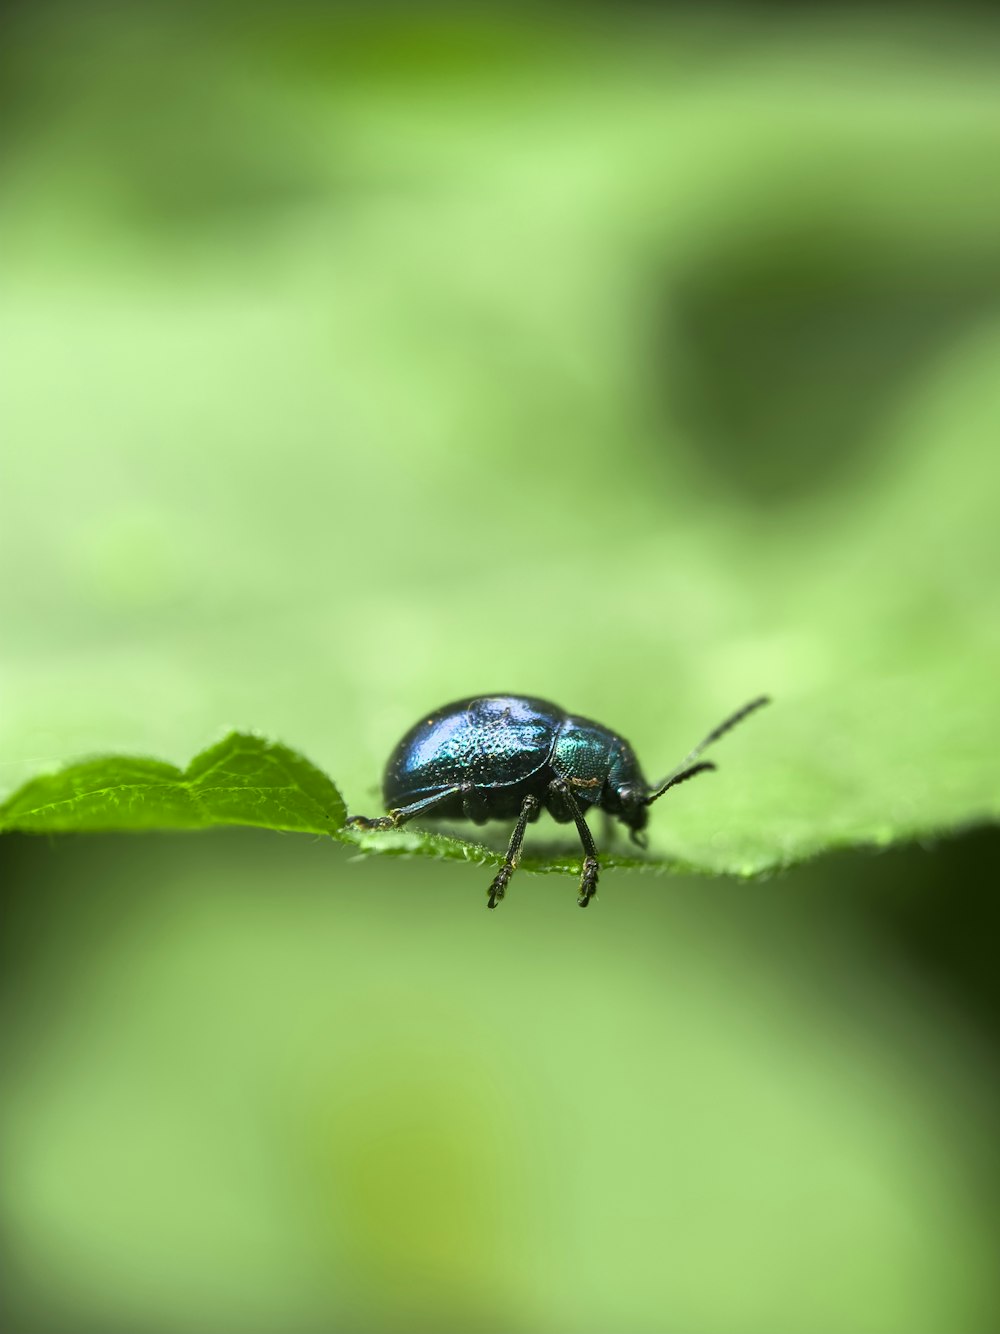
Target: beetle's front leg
(562,789)
(588,880)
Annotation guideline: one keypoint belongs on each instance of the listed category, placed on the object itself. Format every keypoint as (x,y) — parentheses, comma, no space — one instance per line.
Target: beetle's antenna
(686,769)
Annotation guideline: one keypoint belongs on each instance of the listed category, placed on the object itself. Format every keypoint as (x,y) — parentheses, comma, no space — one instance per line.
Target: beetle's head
(633,810)
(625,790)
(633,796)
(627,794)
(634,799)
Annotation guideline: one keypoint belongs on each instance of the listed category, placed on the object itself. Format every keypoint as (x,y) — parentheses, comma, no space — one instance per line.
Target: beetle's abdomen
(494,742)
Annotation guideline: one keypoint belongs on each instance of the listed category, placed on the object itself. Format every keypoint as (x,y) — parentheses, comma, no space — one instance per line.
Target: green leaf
(243,780)
(787,794)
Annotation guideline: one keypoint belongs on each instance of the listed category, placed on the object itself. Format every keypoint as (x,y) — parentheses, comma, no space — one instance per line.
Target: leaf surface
(242,780)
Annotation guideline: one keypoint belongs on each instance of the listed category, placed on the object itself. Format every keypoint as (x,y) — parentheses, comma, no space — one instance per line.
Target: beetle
(494,757)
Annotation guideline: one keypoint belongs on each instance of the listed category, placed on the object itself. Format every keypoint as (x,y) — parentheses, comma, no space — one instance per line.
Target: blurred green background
(359,359)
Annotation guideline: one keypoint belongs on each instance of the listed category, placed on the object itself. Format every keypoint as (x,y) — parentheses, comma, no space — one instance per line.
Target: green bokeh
(253,1084)
(354,364)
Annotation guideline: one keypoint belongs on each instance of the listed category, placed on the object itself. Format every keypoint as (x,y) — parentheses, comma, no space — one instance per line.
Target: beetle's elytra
(500,756)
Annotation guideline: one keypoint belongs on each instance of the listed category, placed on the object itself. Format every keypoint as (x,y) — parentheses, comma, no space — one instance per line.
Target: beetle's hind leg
(399,817)
(529,808)
(591,866)
(366,822)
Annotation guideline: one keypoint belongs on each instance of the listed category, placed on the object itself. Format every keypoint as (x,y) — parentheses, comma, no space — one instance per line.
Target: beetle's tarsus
(588,881)
(372,822)
(499,886)
(529,808)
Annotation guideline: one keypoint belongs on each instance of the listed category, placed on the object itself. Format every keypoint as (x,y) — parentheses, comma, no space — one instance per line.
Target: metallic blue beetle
(499,756)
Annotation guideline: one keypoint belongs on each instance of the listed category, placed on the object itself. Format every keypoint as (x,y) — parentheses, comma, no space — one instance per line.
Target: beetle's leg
(366,822)
(399,817)
(591,866)
(529,806)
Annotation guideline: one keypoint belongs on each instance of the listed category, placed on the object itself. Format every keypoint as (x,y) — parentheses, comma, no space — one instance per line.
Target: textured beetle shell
(504,746)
